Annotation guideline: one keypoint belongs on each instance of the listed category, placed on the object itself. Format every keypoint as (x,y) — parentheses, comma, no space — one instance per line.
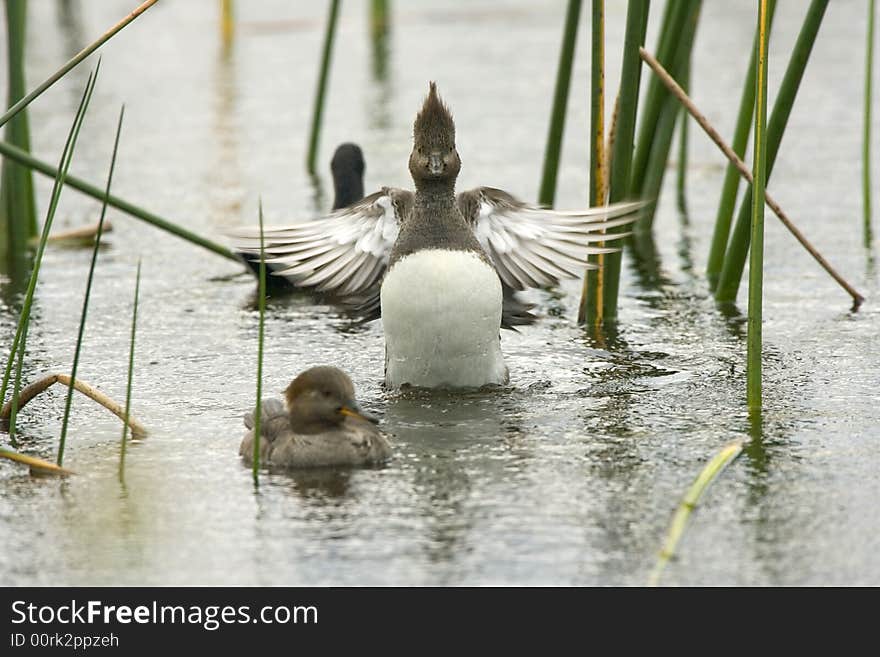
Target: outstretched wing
(345,253)
(535,247)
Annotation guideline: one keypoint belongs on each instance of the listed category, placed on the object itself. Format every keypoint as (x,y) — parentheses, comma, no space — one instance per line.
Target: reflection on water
(567,476)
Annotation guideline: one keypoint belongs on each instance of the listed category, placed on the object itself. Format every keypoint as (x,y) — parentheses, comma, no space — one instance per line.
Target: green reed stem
(20,340)
(675,16)
(622,151)
(691,498)
(18,210)
(592,287)
(134,314)
(866,136)
(664,126)
(76,59)
(547,192)
(261,304)
(759,176)
(737,251)
(85,307)
(683,138)
(21,156)
(730,186)
(311,162)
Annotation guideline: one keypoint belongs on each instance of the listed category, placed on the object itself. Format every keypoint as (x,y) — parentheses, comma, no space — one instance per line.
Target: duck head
(320,399)
(434,157)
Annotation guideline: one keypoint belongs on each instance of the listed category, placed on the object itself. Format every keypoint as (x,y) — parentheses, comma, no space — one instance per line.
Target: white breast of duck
(441,314)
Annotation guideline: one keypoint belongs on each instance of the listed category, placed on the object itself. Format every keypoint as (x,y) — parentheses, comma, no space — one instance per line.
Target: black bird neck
(348,188)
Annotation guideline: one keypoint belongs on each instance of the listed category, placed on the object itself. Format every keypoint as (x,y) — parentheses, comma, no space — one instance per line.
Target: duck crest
(434,127)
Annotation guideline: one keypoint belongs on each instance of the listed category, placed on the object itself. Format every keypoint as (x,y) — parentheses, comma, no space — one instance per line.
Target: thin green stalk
(262,309)
(592,287)
(311,162)
(547,191)
(85,307)
(380,27)
(675,17)
(95,192)
(18,210)
(621,155)
(737,251)
(76,59)
(681,181)
(730,186)
(134,314)
(691,498)
(759,176)
(664,126)
(866,137)
(20,340)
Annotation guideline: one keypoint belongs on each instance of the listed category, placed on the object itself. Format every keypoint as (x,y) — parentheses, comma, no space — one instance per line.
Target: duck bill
(435,164)
(353,410)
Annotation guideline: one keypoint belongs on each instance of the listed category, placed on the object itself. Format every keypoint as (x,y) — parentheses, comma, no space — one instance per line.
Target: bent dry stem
(745,173)
(32,390)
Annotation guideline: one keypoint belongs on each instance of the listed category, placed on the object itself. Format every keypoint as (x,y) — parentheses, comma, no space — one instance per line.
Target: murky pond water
(567,476)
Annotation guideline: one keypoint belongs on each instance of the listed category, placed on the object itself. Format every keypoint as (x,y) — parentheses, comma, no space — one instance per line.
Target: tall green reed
(547,192)
(603,308)
(598,164)
(647,183)
(320,93)
(738,248)
(759,177)
(20,340)
(675,16)
(18,212)
(134,314)
(85,307)
(730,186)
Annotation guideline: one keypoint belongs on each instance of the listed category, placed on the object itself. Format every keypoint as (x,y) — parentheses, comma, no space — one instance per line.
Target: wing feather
(536,247)
(344,253)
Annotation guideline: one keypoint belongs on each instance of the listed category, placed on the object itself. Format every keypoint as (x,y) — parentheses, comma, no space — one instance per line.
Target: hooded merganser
(439,268)
(321,426)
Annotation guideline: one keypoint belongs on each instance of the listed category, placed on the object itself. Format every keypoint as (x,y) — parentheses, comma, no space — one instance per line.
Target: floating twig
(29,392)
(37,465)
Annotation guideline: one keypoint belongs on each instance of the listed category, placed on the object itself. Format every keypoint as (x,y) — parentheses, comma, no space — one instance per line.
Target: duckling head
(434,157)
(321,399)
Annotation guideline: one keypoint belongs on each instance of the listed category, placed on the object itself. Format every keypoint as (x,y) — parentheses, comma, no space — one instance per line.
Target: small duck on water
(321,426)
(440,269)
